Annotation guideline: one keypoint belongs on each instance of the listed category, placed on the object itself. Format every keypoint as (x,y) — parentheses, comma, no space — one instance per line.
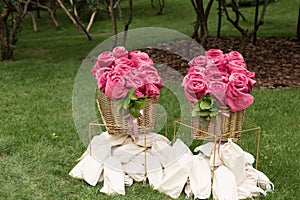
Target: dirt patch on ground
(276,61)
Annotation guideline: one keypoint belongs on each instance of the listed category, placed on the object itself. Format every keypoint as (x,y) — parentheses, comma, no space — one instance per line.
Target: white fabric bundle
(126,152)
(135,170)
(224,184)
(150,139)
(117,160)
(176,175)
(154,170)
(177,169)
(114,182)
(161,151)
(200,178)
(88,169)
(233,157)
(206,149)
(263,181)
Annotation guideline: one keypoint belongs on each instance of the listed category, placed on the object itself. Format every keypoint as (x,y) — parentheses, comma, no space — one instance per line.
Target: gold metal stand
(248,128)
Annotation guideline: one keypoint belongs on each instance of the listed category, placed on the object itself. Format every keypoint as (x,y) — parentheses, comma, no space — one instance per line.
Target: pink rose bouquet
(218,79)
(128,77)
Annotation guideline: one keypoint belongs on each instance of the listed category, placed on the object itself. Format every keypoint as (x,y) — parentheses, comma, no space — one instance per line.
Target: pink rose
(144,68)
(239,66)
(124,61)
(234,55)
(196,70)
(238,95)
(101,77)
(138,94)
(189,76)
(236,65)
(240,80)
(199,61)
(105,59)
(151,77)
(195,89)
(122,68)
(220,62)
(212,73)
(133,81)
(140,58)
(116,85)
(152,91)
(119,52)
(214,53)
(218,90)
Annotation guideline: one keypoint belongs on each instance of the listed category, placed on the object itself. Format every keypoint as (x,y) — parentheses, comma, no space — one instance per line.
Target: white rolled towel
(200,177)
(176,175)
(114,178)
(233,157)
(126,152)
(224,184)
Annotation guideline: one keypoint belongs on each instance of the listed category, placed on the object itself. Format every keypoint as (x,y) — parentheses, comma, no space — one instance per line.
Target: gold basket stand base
(214,138)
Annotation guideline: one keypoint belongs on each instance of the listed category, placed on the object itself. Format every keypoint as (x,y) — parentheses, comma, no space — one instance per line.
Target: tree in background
(245,33)
(12,12)
(74,17)
(38,4)
(298,25)
(161,5)
(201,21)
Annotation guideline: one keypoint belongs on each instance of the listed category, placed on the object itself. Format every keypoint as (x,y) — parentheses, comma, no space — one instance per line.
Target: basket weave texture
(116,123)
(229,127)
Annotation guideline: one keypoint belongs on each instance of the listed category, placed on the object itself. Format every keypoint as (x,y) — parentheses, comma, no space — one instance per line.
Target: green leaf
(214,113)
(119,105)
(133,97)
(134,112)
(195,113)
(126,103)
(204,113)
(203,122)
(205,105)
(140,104)
(196,107)
(130,92)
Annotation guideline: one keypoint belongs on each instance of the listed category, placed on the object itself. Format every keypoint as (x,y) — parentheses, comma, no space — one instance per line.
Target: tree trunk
(201,21)
(196,30)
(161,5)
(68,13)
(114,23)
(33,21)
(219,18)
(255,22)
(7,50)
(9,31)
(38,13)
(91,20)
(74,19)
(51,12)
(52,6)
(126,27)
(298,25)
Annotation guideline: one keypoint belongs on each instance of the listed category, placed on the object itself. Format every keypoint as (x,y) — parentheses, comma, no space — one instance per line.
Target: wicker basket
(230,127)
(116,123)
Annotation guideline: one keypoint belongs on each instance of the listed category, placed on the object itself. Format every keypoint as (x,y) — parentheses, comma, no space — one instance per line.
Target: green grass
(280,21)
(38,140)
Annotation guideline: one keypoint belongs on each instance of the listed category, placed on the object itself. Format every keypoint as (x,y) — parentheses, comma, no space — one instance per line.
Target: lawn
(38,140)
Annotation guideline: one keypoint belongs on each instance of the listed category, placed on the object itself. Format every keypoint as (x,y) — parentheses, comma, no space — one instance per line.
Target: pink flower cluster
(118,71)
(225,76)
